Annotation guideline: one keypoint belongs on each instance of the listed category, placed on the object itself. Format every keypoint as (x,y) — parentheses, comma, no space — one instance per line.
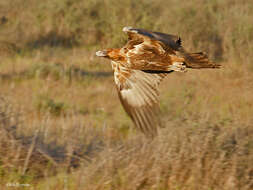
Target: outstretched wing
(141,40)
(172,42)
(138,94)
(151,51)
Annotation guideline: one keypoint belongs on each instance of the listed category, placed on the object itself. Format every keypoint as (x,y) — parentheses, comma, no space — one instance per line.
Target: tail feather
(199,60)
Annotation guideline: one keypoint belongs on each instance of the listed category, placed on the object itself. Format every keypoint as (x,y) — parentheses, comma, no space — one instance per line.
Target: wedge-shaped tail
(198,61)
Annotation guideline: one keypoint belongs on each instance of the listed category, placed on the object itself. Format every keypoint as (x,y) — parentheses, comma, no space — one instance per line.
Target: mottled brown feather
(172,45)
(138,93)
(140,66)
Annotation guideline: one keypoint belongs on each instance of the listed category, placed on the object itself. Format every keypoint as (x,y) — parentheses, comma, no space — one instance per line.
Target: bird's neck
(116,55)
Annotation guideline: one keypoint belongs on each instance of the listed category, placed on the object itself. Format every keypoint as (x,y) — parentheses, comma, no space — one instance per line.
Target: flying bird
(139,67)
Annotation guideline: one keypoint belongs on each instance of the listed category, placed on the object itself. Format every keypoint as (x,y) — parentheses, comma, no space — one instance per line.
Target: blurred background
(63,127)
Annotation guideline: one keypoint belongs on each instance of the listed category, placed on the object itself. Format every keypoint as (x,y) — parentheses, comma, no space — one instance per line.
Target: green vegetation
(62,125)
(46,104)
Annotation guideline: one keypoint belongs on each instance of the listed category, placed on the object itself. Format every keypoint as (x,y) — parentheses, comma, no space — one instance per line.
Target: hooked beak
(101,53)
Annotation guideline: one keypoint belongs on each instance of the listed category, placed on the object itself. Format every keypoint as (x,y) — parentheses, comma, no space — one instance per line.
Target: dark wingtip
(179,41)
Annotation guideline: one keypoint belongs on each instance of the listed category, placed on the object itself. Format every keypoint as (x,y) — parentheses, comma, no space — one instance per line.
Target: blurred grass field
(63,127)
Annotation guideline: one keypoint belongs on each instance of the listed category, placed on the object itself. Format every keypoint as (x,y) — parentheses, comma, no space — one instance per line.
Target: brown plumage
(140,66)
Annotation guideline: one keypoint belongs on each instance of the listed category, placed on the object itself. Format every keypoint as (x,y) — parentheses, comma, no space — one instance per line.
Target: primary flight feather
(140,66)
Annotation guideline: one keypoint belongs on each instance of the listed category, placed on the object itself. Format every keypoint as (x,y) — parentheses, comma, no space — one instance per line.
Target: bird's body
(139,67)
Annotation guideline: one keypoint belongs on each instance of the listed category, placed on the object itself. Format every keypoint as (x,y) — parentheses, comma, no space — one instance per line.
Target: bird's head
(107,53)
(103,53)
(113,54)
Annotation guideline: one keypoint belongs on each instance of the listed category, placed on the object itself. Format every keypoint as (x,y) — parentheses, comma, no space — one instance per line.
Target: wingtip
(129,29)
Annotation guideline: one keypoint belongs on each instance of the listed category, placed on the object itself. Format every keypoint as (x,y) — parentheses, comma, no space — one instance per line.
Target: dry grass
(62,125)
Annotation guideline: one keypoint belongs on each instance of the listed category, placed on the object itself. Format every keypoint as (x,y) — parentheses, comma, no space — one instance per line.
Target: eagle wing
(138,94)
(151,51)
(168,41)
(171,44)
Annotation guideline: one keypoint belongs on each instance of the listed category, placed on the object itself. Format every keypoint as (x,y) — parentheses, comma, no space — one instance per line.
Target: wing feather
(151,41)
(151,51)
(138,94)
(173,42)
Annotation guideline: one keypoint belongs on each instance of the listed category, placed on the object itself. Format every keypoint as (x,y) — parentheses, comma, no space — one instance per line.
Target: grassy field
(63,127)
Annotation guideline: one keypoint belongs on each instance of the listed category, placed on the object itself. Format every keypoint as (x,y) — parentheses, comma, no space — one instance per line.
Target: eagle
(141,64)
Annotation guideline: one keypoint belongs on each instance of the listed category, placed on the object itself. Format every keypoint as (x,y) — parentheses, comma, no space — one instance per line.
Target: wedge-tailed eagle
(139,67)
